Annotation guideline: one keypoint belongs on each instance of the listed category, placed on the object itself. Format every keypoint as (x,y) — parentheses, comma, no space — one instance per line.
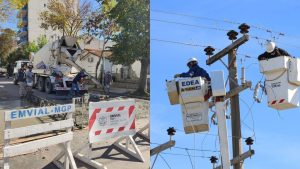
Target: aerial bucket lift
(190,94)
(282,81)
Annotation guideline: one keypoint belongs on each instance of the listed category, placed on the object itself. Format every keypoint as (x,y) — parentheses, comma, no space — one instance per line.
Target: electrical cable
(219,29)
(165,161)
(281,34)
(178,154)
(190,158)
(185,148)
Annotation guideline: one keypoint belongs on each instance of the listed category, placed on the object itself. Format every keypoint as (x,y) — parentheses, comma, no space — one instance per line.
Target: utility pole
(234,88)
(235,109)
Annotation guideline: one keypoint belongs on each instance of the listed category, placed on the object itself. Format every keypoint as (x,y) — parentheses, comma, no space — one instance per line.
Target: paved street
(104,152)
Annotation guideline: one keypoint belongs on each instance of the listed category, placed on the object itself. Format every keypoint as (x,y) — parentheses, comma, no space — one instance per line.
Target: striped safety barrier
(109,119)
(276,102)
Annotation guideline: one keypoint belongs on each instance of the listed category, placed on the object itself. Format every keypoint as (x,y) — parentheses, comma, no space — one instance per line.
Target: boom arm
(71,63)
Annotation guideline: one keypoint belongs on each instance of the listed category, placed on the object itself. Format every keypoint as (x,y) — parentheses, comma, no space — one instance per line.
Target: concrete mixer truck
(54,66)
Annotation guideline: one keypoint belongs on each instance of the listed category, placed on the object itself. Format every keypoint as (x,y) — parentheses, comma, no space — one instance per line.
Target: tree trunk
(142,88)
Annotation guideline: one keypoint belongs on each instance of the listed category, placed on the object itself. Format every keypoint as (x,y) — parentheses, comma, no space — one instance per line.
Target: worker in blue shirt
(77,79)
(195,70)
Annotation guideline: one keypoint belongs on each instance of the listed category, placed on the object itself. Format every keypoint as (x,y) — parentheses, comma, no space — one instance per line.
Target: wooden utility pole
(235,109)
(233,93)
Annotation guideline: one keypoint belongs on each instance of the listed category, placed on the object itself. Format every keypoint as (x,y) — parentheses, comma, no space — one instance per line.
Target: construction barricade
(32,146)
(112,119)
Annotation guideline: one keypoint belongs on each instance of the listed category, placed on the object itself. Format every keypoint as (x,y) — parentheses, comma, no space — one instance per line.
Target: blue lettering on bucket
(189,83)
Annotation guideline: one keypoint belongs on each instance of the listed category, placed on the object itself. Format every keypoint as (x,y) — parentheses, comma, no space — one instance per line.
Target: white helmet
(191,60)
(270,46)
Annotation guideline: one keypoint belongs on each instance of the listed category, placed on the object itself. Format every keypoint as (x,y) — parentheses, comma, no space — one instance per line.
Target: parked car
(2,71)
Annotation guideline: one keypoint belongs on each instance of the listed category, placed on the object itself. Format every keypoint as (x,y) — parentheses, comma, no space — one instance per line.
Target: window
(90,59)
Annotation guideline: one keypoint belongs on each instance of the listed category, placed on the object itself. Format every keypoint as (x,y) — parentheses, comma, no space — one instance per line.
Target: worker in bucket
(195,71)
(272,51)
(77,79)
(22,80)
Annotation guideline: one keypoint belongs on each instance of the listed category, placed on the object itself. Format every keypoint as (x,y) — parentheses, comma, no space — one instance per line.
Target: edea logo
(189,83)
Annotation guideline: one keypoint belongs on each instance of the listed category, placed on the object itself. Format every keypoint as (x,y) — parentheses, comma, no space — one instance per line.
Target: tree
(42,41)
(133,41)
(4,10)
(7,37)
(65,16)
(7,6)
(102,26)
(17,4)
(24,51)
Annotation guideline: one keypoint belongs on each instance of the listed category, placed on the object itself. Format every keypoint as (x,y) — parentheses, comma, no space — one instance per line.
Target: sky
(276,134)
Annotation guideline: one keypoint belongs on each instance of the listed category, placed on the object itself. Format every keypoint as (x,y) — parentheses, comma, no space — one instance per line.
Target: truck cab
(17,66)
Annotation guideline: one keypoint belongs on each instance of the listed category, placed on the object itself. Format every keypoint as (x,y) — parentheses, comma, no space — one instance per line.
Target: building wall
(35,7)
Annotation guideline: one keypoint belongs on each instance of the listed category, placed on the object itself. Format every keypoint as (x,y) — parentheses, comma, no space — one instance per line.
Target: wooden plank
(238,89)
(14,150)
(90,162)
(19,114)
(6,143)
(35,129)
(240,158)
(225,51)
(162,147)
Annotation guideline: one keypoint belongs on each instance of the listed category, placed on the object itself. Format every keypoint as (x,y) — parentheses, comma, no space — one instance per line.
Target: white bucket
(195,117)
(172,92)
(281,93)
(192,89)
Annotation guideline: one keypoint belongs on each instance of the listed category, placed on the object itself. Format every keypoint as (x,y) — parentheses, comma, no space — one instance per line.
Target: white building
(30,22)
(92,52)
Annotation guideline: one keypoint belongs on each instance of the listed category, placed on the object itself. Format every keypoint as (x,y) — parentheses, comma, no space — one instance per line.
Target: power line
(192,25)
(220,29)
(226,21)
(214,134)
(195,45)
(178,154)
(177,42)
(192,149)
(165,161)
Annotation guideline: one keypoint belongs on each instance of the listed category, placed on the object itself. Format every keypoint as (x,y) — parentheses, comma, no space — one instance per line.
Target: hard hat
(191,60)
(270,46)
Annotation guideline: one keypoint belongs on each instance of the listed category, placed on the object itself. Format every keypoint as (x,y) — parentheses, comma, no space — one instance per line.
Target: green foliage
(18,4)
(5,10)
(7,39)
(42,41)
(18,54)
(102,26)
(62,15)
(24,51)
(107,5)
(132,42)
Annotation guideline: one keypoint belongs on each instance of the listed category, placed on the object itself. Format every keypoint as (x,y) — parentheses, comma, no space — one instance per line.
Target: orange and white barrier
(111,119)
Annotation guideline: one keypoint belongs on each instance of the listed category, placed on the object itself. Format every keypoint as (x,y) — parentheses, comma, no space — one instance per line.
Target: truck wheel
(41,84)
(48,86)
(15,79)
